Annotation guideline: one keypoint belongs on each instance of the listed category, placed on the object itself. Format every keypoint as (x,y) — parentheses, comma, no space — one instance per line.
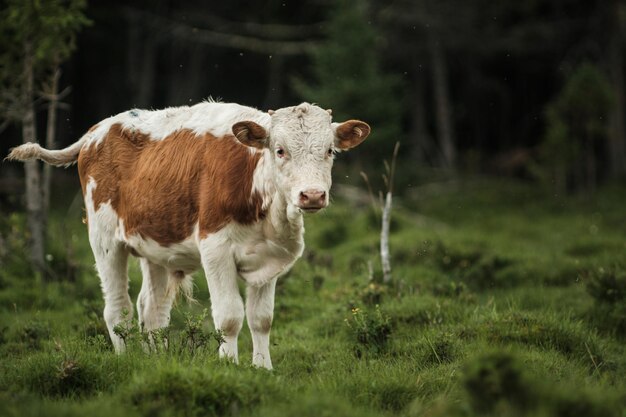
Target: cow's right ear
(250,134)
(350,134)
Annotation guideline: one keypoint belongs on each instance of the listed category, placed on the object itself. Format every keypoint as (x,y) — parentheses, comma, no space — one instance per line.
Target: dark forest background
(531,89)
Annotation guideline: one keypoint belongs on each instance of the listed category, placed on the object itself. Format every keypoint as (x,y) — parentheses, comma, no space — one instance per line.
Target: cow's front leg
(226,303)
(260,311)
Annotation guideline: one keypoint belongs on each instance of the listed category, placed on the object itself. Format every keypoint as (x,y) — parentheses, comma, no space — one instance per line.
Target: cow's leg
(155,299)
(111,263)
(259,312)
(226,302)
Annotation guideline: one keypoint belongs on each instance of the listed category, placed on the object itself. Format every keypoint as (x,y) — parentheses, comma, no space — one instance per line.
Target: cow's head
(302,141)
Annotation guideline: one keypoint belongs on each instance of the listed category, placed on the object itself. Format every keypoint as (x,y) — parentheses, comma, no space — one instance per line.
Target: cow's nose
(312,200)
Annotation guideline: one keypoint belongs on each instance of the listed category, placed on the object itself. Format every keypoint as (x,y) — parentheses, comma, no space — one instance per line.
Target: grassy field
(506,301)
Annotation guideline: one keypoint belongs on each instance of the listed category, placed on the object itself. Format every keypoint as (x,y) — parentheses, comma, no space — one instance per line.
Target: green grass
(505,301)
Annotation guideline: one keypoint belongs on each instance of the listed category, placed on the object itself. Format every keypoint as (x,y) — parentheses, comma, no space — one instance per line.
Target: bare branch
(392,171)
(259,30)
(384,240)
(386,221)
(170,28)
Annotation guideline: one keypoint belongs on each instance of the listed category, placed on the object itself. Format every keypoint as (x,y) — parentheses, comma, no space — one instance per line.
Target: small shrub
(61,374)
(607,286)
(475,268)
(129,332)
(372,294)
(194,338)
(608,289)
(497,377)
(441,350)
(12,264)
(369,331)
(453,289)
(34,333)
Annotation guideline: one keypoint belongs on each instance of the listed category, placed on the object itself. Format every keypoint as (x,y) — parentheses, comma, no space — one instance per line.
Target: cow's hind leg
(111,263)
(259,312)
(156,297)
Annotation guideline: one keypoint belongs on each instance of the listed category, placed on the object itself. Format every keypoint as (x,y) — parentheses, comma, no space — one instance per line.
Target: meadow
(506,300)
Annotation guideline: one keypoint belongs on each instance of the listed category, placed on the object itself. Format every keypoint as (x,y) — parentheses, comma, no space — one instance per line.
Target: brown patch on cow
(162,188)
(230,327)
(263,325)
(351,134)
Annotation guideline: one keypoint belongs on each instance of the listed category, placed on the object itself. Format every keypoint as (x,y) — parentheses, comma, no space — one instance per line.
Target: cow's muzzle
(311,201)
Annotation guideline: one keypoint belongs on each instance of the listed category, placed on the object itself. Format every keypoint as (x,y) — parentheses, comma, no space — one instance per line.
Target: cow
(217,186)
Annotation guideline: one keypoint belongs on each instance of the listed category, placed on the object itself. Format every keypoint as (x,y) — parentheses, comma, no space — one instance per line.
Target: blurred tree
(487,67)
(615,11)
(577,124)
(433,29)
(348,77)
(36,37)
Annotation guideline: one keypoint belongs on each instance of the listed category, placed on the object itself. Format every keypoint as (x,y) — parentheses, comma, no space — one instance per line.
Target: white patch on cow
(183,256)
(206,117)
(263,178)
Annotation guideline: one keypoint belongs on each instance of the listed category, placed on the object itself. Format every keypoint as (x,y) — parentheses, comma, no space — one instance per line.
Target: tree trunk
(421,151)
(32,169)
(443,107)
(53,102)
(617,139)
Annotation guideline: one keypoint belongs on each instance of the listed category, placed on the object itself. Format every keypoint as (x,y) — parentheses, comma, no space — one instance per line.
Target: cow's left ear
(350,134)
(250,134)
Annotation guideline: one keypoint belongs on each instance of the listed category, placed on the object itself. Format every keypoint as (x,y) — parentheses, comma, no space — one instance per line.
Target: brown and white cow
(216,185)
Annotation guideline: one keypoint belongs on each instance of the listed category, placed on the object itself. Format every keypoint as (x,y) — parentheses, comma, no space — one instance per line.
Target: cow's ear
(350,134)
(250,134)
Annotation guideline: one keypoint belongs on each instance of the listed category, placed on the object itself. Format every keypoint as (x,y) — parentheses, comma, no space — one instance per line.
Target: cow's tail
(180,284)
(62,157)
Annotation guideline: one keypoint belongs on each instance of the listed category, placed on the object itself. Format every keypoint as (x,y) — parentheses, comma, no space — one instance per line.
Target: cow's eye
(280,152)
(330,152)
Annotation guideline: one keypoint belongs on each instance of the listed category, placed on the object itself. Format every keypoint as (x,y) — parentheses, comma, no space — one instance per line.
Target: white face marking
(301,144)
